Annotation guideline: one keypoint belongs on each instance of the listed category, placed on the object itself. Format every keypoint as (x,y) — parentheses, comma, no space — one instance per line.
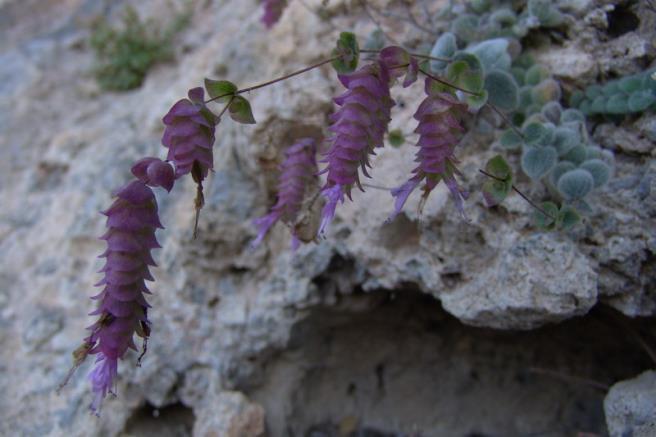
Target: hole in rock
(174,420)
(621,20)
(402,366)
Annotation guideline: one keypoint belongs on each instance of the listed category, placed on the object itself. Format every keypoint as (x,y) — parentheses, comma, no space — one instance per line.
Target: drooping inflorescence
(439,132)
(358,127)
(297,172)
(123,311)
(189,135)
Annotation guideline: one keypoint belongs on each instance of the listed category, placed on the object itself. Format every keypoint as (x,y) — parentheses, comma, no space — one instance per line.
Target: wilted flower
(439,132)
(189,135)
(358,127)
(297,172)
(273,10)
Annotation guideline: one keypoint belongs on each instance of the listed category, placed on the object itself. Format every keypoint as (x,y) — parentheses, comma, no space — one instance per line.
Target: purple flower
(132,220)
(189,135)
(273,10)
(439,132)
(297,171)
(358,127)
(154,172)
(398,61)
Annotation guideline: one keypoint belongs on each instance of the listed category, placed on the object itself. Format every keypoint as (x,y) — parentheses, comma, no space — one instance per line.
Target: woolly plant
(627,95)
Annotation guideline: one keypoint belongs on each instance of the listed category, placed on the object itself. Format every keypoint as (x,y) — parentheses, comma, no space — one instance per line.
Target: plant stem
(530,202)
(278,79)
(447,83)
(505,119)
(565,377)
(416,55)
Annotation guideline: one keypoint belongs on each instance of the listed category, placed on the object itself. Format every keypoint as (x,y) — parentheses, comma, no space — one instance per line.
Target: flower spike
(297,171)
(439,132)
(359,126)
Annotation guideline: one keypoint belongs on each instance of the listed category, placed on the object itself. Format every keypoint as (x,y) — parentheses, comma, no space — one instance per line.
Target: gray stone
(630,406)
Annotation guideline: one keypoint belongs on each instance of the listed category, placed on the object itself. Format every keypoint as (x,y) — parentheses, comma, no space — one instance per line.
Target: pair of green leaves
(224,91)
(562,218)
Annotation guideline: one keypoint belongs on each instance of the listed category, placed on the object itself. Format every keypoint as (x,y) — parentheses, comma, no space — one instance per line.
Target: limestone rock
(630,406)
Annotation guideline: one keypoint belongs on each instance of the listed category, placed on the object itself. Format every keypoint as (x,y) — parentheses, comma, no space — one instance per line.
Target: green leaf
(240,110)
(599,170)
(495,190)
(560,169)
(492,53)
(641,100)
(618,104)
(510,139)
(534,132)
(348,51)
(216,88)
(498,167)
(575,184)
(630,84)
(535,75)
(445,46)
(396,138)
(538,161)
(567,217)
(502,90)
(543,221)
(546,91)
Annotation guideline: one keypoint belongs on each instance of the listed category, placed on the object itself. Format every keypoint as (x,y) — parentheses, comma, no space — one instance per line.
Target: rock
(536,280)
(569,62)
(630,407)
(230,414)
(224,318)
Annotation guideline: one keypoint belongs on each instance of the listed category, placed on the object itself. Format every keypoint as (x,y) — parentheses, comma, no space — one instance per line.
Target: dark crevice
(399,365)
(621,20)
(176,420)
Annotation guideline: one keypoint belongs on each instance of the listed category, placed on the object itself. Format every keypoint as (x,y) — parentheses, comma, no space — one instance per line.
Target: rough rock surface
(334,339)
(630,406)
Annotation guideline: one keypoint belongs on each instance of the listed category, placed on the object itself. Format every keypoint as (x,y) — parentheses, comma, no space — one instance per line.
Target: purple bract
(273,10)
(439,132)
(189,135)
(132,220)
(358,127)
(297,172)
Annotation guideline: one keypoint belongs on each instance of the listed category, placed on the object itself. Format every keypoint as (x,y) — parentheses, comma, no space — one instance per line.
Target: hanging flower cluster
(439,132)
(298,171)
(123,311)
(357,128)
(189,135)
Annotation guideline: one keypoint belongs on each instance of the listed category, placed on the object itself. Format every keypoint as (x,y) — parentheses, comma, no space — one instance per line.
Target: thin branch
(570,378)
(365,6)
(530,202)
(505,119)
(447,83)
(414,22)
(278,79)
(416,55)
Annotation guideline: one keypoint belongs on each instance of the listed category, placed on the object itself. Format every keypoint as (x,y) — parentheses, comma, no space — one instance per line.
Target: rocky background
(428,326)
